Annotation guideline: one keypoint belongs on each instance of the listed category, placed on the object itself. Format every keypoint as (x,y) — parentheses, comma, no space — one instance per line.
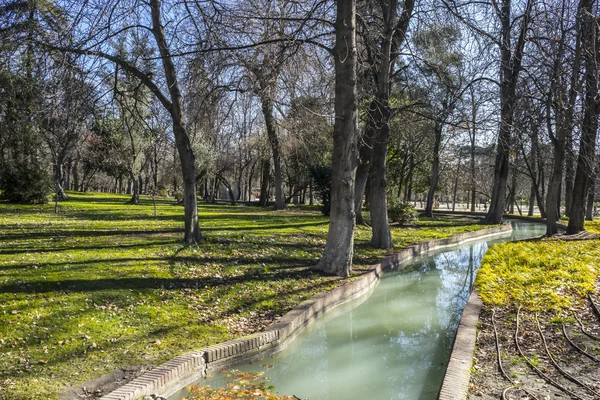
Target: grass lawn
(104,284)
(546,275)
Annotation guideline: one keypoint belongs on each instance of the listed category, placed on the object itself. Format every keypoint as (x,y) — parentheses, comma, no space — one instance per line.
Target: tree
(93,46)
(337,256)
(383,51)
(441,66)
(587,148)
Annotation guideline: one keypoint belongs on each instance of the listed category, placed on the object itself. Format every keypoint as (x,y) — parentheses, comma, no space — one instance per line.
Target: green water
(392,344)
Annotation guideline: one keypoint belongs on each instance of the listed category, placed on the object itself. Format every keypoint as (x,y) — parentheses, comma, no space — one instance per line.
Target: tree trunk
(472,138)
(513,193)
(264,183)
(135,197)
(563,140)
(569,172)
(435,170)
(589,212)
(58,182)
(362,171)
(186,155)
(587,157)
(75,177)
(337,256)
(510,66)
(393,34)
(382,238)
(267,109)
(455,189)
(531,200)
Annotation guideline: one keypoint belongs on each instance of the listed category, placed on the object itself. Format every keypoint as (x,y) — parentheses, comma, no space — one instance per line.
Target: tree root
(564,330)
(536,369)
(558,367)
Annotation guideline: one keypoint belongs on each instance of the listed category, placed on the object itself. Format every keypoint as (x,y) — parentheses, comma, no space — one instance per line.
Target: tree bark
(589,212)
(264,183)
(271,124)
(186,155)
(393,35)
(586,159)
(510,66)
(435,170)
(135,196)
(337,256)
(365,154)
(564,121)
(58,182)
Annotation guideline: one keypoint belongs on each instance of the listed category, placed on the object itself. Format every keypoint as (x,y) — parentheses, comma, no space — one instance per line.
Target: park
(312,199)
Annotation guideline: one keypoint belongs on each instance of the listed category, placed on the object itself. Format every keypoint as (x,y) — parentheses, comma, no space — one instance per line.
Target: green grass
(104,284)
(548,275)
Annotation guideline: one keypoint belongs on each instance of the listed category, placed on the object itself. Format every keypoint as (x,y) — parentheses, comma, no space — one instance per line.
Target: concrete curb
(458,373)
(184,369)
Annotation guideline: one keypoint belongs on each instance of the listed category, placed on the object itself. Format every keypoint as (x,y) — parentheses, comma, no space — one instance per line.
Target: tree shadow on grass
(94,285)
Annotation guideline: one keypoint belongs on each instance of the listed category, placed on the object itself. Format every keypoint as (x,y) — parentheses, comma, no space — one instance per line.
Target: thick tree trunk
(186,155)
(337,256)
(586,159)
(381,238)
(271,124)
(435,170)
(510,66)
(393,34)
(135,196)
(563,139)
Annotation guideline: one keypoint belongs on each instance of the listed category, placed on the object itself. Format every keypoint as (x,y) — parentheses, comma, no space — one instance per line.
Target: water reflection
(395,345)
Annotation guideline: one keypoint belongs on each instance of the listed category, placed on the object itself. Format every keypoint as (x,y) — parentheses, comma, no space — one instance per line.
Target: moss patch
(104,285)
(548,275)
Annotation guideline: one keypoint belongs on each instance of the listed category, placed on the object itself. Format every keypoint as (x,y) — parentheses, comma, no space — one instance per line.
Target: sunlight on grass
(549,275)
(105,285)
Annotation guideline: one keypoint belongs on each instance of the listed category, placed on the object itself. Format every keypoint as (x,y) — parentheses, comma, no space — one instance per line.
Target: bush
(402,212)
(24,183)
(178,196)
(321,176)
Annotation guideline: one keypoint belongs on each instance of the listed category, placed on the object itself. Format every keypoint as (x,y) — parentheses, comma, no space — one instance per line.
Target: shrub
(24,183)
(321,176)
(178,196)
(402,212)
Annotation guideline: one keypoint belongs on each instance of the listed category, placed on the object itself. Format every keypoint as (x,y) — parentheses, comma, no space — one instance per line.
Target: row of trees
(357,101)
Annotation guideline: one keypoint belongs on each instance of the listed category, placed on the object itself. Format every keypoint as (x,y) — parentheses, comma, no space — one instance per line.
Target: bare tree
(337,256)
